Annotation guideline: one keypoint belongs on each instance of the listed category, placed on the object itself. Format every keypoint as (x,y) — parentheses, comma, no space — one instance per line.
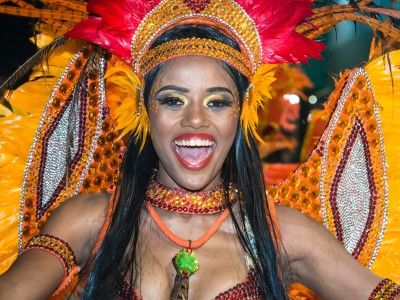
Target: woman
(199,103)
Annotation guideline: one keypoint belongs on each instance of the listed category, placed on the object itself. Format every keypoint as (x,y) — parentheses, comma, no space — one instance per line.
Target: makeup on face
(192,122)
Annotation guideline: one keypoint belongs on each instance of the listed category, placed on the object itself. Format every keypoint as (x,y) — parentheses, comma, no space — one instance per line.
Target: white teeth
(194,143)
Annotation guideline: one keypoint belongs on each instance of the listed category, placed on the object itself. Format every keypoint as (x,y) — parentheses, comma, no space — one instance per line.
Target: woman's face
(193,113)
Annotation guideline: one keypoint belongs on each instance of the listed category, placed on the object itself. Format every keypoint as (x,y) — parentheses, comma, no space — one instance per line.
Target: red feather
(113,24)
(276,22)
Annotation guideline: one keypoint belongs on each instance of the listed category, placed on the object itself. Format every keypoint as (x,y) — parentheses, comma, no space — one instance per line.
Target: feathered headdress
(264,30)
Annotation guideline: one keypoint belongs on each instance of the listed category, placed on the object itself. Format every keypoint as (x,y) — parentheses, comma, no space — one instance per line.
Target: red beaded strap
(249,289)
(61,250)
(385,290)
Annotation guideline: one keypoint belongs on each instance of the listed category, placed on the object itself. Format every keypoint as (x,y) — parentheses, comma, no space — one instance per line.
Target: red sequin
(249,290)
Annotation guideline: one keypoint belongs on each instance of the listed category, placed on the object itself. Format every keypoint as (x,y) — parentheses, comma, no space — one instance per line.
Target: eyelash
(220,103)
(171,101)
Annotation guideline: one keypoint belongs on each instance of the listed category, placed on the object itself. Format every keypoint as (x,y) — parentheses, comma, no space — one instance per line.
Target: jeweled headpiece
(264,30)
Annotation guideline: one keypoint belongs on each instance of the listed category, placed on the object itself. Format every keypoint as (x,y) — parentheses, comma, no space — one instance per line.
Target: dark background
(15,46)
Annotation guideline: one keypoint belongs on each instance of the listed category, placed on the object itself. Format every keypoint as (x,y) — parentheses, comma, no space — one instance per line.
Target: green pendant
(185,262)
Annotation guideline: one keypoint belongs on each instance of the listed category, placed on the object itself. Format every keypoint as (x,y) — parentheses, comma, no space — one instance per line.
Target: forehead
(194,72)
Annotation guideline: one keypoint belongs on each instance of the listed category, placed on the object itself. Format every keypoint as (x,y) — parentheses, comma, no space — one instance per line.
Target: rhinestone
(150,26)
(56,102)
(78,63)
(93,100)
(93,75)
(63,88)
(71,75)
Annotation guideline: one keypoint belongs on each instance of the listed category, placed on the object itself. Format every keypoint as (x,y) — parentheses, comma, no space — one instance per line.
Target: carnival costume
(97,99)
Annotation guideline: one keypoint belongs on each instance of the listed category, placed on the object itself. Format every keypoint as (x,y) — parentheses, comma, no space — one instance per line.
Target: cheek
(159,121)
(228,129)
(161,130)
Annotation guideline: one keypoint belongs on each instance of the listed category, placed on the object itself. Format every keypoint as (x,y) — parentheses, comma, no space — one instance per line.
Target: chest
(221,263)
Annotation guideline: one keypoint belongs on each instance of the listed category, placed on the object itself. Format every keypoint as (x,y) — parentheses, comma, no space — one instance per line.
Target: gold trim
(191,47)
(225,15)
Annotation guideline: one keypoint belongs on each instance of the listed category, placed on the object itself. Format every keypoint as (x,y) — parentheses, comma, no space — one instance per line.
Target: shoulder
(288,216)
(299,233)
(78,221)
(318,260)
(290,219)
(79,211)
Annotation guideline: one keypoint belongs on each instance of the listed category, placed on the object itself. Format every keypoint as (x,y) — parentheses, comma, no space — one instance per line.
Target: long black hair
(116,255)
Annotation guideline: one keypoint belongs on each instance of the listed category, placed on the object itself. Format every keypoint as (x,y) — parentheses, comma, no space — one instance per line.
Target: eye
(171,101)
(219,103)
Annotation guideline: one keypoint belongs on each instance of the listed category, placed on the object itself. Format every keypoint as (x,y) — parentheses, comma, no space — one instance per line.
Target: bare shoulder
(318,260)
(82,209)
(299,232)
(289,217)
(78,221)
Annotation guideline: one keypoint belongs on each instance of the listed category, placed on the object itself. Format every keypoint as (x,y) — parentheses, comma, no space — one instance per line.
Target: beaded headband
(194,46)
(263,29)
(224,15)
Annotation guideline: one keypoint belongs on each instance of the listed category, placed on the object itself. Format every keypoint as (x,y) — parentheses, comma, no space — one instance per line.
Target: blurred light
(292,98)
(312,99)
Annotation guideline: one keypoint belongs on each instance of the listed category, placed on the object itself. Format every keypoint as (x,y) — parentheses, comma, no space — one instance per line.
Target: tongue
(193,155)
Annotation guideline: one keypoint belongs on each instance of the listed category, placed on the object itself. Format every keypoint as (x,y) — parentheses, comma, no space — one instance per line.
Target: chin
(198,183)
(195,180)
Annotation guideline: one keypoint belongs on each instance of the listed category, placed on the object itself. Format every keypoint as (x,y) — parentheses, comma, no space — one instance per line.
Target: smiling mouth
(194,153)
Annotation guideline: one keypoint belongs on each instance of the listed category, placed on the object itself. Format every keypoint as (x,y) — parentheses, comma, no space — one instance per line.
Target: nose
(195,116)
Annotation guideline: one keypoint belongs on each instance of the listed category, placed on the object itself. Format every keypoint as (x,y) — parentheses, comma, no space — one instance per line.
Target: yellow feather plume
(125,98)
(386,84)
(258,92)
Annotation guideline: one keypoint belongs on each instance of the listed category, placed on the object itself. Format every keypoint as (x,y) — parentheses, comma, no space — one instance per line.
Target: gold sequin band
(194,46)
(55,246)
(385,290)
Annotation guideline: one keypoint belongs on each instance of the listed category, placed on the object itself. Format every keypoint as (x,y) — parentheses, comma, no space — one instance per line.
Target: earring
(140,97)
(249,95)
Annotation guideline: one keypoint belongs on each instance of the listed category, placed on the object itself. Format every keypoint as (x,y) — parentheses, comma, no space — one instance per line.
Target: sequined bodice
(248,289)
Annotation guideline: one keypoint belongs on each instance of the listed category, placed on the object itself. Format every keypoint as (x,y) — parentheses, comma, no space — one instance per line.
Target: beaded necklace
(181,201)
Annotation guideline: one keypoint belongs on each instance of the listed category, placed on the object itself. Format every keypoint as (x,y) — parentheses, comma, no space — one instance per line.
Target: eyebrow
(186,90)
(219,89)
(174,88)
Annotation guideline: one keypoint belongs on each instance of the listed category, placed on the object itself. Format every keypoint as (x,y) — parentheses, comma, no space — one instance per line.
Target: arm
(320,262)
(36,274)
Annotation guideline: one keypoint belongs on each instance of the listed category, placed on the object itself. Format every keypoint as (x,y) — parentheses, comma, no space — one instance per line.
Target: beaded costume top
(248,289)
